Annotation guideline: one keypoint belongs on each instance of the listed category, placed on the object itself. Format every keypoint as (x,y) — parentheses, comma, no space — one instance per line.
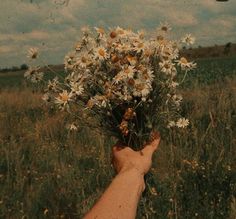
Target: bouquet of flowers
(125,81)
(121,82)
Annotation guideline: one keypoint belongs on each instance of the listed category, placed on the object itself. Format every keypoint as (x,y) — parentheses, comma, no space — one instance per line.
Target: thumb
(152,146)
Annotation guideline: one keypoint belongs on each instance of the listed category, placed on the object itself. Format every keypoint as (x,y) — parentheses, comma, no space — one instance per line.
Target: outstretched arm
(121,198)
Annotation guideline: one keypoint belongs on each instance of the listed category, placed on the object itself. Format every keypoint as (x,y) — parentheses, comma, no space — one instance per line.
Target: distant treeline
(15,68)
(228,49)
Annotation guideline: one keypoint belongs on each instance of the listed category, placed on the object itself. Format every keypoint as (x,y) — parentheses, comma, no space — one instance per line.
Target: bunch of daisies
(124,81)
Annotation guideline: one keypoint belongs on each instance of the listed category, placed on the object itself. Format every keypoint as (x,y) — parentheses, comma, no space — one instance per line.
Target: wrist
(134,174)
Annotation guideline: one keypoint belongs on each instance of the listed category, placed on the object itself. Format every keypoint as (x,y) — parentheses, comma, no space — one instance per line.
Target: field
(47,171)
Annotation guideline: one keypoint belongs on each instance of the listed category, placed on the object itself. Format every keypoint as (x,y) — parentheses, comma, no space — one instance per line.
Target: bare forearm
(121,198)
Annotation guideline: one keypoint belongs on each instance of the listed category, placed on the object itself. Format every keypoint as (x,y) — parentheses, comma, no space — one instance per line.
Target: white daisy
(185,64)
(84,60)
(164,27)
(37,77)
(53,84)
(173,84)
(72,127)
(177,99)
(182,123)
(30,72)
(166,67)
(188,39)
(76,88)
(129,72)
(47,98)
(171,124)
(63,99)
(100,53)
(139,46)
(33,53)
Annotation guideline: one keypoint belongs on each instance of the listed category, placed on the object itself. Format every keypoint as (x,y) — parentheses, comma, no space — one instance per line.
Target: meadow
(47,171)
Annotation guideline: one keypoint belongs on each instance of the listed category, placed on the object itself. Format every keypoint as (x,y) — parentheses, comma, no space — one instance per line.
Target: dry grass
(46,171)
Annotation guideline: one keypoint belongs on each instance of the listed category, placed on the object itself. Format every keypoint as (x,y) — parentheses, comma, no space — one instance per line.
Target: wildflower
(145,90)
(129,114)
(33,53)
(84,61)
(114,58)
(45,212)
(173,84)
(63,99)
(100,101)
(47,98)
(121,31)
(78,47)
(185,64)
(118,78)
(76,88)
(182,123)
(53,84)
(164,27)
(69,60)
(141,34)
(128,72)
(166,67)
(132,59)
(34,75)
(100,31)
(100,53)
(171,124)
(124,127)
(72,127)
(113,34)
(154,191)
(188,39)
(30,72)
(90,103)
(139,46)
(177,99)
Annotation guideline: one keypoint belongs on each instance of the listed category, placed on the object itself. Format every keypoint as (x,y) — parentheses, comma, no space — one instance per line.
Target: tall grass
(47,171)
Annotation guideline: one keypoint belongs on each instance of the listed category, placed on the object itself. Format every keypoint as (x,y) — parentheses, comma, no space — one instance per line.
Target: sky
(54,25)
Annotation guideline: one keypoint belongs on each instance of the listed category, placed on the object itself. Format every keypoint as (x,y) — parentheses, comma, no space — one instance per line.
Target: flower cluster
(126,79)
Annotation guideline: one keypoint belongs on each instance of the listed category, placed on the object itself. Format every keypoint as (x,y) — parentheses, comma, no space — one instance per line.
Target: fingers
(117,147)
(152,146)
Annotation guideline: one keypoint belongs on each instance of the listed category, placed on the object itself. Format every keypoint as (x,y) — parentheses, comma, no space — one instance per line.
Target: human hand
(125,158)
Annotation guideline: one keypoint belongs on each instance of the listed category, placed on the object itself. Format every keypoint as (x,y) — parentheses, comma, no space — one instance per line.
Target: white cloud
(56,25)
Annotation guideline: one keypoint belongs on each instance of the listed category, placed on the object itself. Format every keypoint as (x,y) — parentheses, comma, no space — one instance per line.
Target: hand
(125,158)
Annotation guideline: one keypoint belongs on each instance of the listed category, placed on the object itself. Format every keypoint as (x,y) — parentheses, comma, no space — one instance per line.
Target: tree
(24,67)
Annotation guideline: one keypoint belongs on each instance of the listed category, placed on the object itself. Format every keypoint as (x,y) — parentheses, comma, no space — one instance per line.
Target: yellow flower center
(101,52)
(127,71)
(167,65)
(83,59)
(140,45)
(164,28)
(183,60)
(64,97)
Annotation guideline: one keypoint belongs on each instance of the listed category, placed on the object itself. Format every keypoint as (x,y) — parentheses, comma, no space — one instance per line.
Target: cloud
(34,35)
(6,49)
(54,25)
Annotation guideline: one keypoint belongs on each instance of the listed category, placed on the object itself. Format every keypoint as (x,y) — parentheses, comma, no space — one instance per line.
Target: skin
(121,198)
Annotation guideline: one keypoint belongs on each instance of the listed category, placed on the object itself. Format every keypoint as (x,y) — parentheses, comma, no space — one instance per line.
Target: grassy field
(49,172)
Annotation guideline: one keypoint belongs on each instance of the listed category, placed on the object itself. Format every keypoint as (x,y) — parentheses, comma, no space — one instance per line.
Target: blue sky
(54,25)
